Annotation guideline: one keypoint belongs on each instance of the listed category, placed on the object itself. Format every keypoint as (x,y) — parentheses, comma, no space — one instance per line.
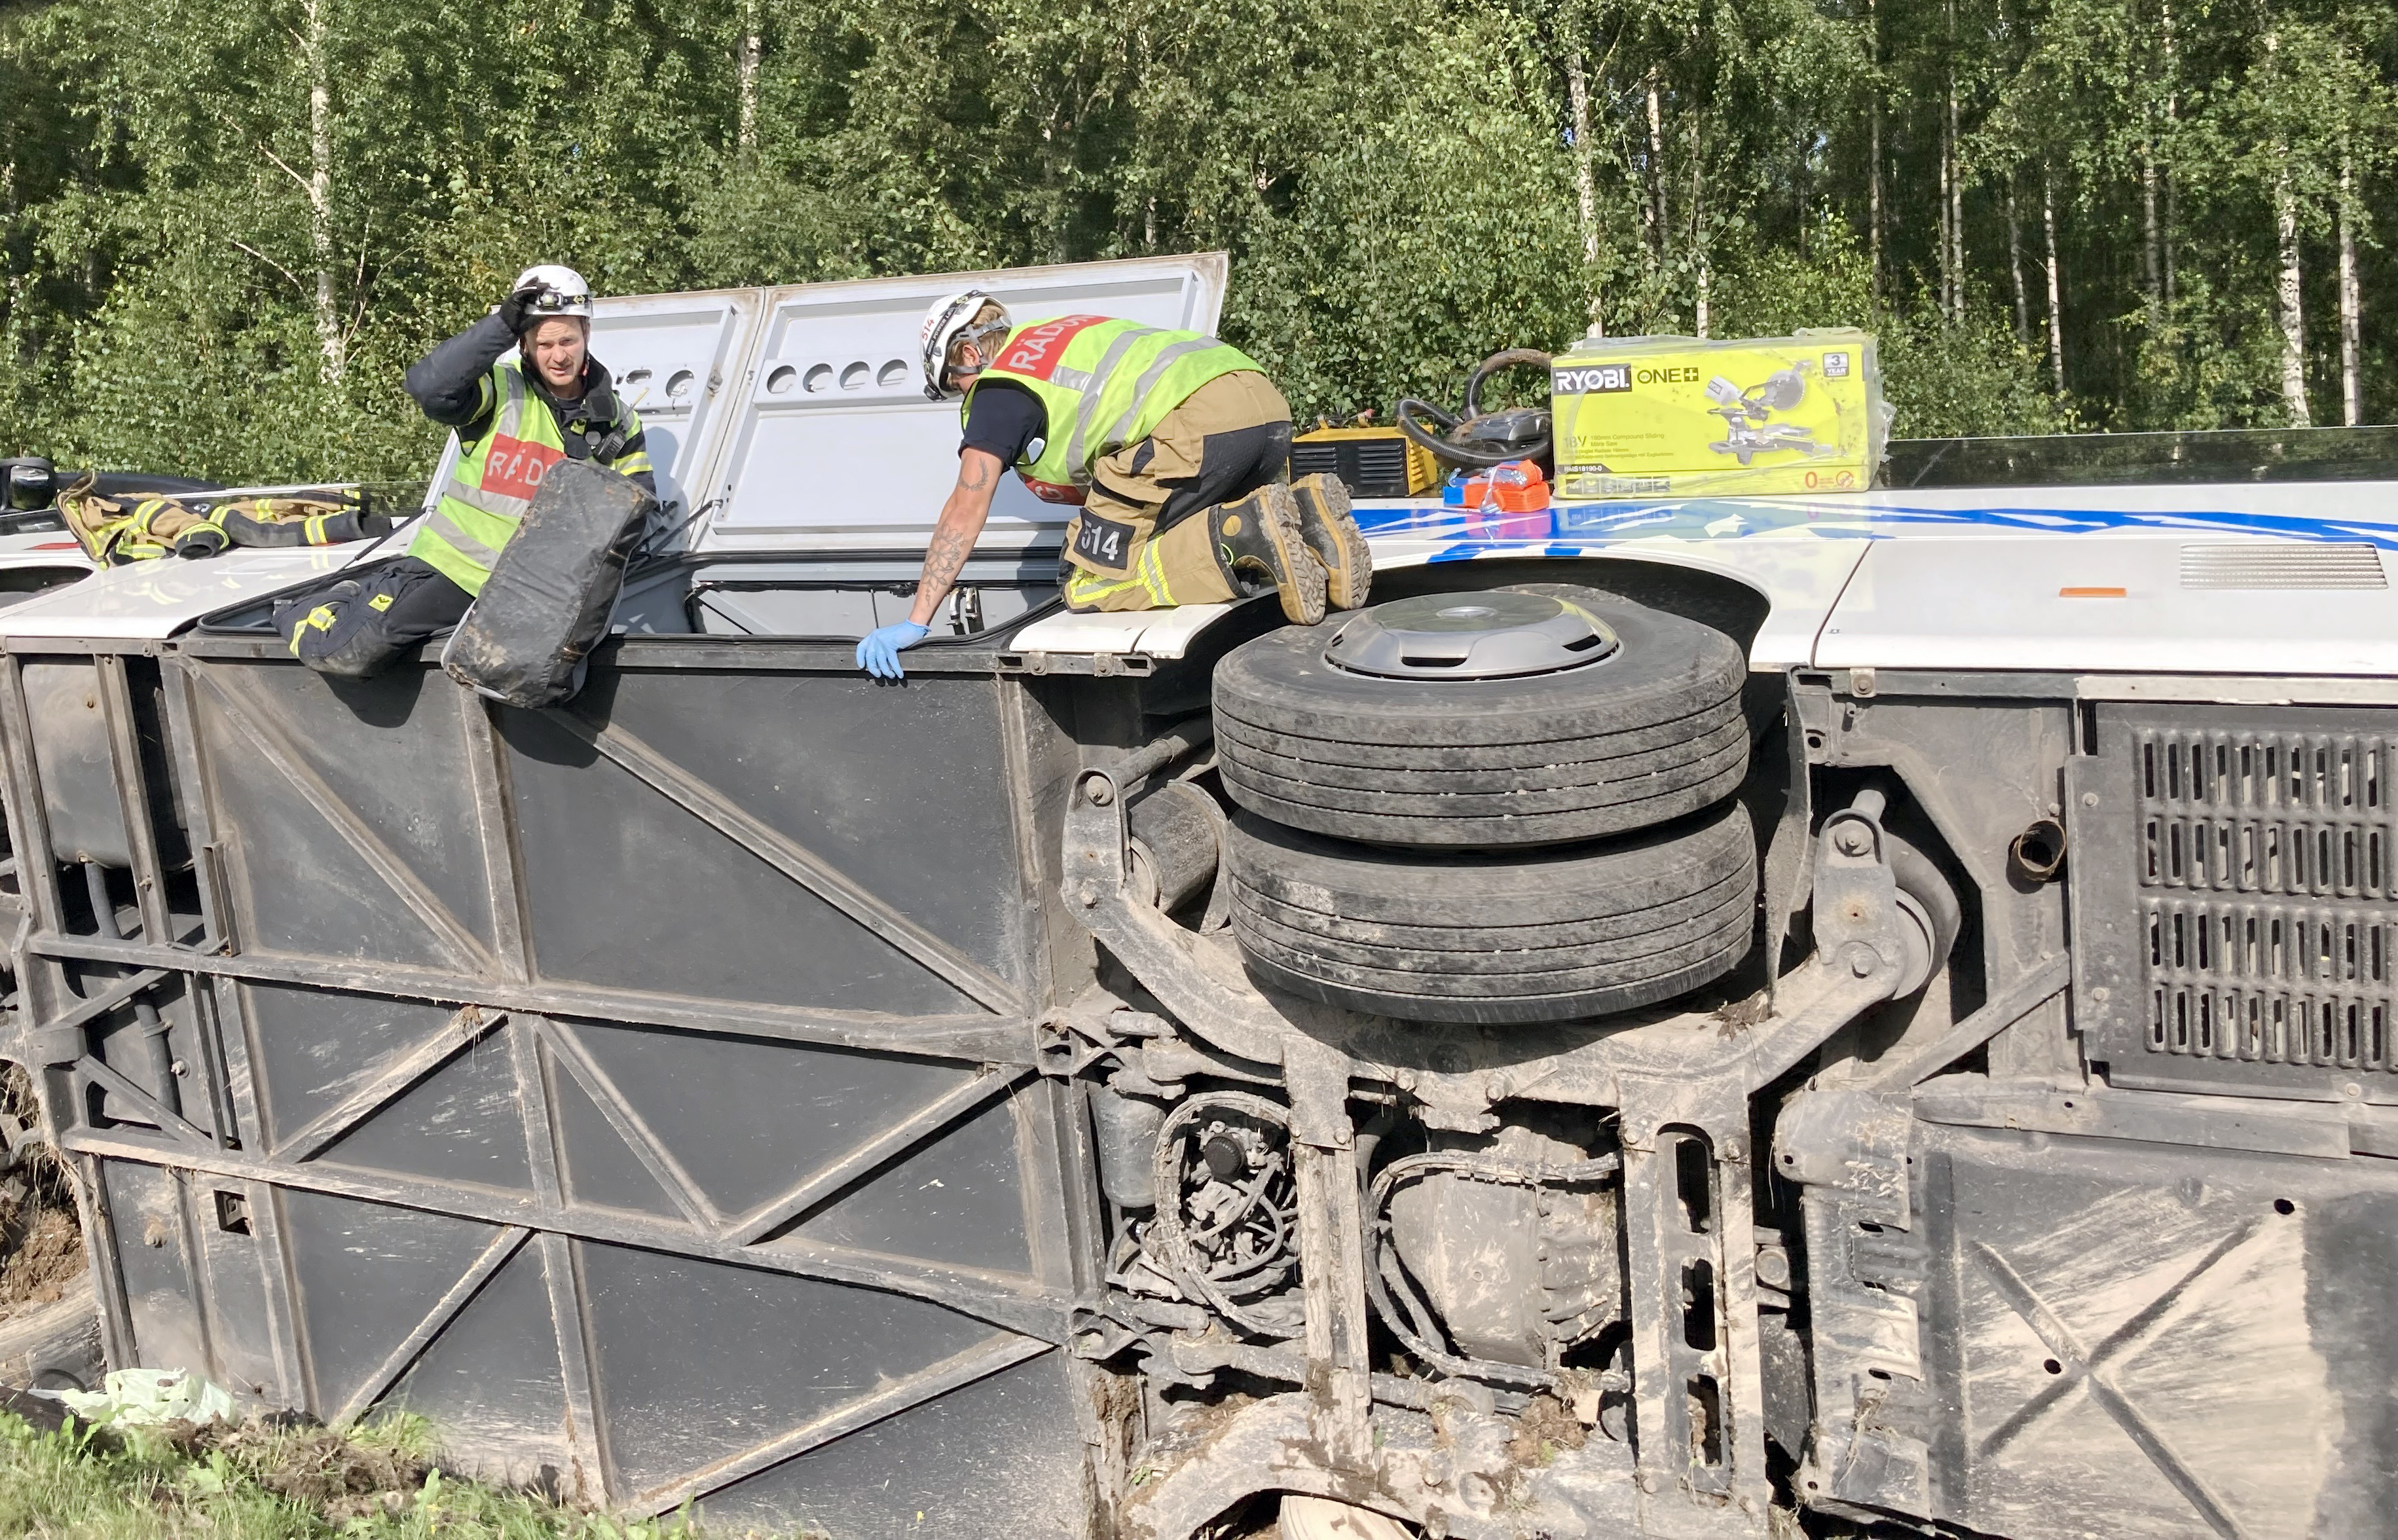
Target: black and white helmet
(967,313)
(563,292)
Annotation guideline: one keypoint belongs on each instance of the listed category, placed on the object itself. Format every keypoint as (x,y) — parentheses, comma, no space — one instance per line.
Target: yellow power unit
(1677,417)
(1375,462)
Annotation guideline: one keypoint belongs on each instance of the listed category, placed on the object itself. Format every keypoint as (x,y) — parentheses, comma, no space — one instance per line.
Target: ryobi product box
(1677,417)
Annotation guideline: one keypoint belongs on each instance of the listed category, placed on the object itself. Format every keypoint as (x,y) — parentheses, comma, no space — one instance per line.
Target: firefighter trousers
(1141,540)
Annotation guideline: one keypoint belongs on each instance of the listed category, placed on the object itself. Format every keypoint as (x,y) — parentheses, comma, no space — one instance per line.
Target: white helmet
(563,292)
(951,317)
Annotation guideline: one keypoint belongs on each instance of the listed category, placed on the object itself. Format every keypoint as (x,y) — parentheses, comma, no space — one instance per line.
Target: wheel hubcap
(1492,635)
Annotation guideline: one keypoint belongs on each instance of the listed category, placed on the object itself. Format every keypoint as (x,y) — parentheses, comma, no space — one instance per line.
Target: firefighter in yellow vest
(523,392)
(1174,448)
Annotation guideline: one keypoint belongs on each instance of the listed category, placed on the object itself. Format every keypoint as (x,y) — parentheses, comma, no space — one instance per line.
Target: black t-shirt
(1003,419)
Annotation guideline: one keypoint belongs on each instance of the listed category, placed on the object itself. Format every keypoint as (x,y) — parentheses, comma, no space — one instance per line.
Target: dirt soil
(315,1466)
(41,1241)
(1542,1428)
(44,1266)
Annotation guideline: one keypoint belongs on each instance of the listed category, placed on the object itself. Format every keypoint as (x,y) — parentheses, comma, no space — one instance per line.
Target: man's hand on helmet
(514,309)
(544,293)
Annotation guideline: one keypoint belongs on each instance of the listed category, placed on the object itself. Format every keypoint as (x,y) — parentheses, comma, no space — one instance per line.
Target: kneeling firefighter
(1176,446)
(516,416)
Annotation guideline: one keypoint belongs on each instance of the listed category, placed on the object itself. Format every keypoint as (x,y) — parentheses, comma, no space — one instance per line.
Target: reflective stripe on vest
(1105,384)
(492,486)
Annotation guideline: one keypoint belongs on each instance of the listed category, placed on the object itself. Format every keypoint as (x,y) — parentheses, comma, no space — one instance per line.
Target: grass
(258,1481)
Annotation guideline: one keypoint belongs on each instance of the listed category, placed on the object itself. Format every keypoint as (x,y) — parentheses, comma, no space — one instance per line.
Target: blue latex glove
(878,654)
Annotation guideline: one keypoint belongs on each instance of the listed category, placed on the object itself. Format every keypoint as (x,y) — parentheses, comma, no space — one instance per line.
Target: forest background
(228,226)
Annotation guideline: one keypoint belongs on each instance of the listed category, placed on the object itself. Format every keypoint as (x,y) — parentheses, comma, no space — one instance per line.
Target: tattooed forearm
(942,563)
(954,537)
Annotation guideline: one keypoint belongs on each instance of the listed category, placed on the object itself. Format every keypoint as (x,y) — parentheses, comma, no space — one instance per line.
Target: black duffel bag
(553,590)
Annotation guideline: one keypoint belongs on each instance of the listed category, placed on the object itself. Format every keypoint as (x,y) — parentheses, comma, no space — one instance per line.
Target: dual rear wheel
(1499,807)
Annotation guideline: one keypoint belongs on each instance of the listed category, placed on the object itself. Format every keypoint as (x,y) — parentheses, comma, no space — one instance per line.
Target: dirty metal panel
(495,1370)
(2090,1336)
(154,1247)
(313,1049)
(78,772)
(576,1065)
(2236,907)
(993,1458)
(238,1261)
(699,1362)
(366,1275)
(2169,1349)
(832,441)
(781,837)
(341,807)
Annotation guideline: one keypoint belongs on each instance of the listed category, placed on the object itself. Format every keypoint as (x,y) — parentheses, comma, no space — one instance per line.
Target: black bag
(553,590)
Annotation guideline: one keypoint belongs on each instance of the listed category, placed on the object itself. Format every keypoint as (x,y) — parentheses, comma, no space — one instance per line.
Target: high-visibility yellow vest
(1105,384)
(487,494)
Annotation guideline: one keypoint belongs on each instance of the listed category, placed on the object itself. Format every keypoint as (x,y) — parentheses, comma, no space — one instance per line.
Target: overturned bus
(1685,1019)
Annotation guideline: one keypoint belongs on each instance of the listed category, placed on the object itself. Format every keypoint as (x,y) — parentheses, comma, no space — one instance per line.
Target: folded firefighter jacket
(115,530)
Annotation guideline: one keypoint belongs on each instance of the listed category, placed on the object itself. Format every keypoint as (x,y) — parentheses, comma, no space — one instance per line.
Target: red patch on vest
(514,468)
(1035,350)
(1050,492)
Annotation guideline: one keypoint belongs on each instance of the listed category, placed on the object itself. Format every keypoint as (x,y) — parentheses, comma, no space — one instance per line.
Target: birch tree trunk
(2291,295)
(2015,265)
(1699,223)
(315,30)
(1656,173)
(2055,280)
(1585,186)
(1940,235)
(2293,303)
(2351,379)
(2151,242)
(2172,125)
(748,55)
(1952,181)
(1873,173)
(1956,210)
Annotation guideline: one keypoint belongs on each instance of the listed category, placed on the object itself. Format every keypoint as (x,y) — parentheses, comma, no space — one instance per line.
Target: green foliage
(227,227)
(81,1483)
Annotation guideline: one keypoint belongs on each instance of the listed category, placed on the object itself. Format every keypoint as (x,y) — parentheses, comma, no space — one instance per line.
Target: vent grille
(1372,467)
(2263,983)
(2274,565)
(2262,866)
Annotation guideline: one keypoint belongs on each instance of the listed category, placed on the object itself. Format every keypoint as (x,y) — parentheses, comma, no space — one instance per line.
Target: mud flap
(553,589)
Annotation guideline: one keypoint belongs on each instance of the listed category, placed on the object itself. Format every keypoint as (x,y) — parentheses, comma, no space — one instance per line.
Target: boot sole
(1303,585)
(1326,525)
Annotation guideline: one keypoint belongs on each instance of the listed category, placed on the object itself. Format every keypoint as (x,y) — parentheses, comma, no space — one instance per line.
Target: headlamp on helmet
(561,292)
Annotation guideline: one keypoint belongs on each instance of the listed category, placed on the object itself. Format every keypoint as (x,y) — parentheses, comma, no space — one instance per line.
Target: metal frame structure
(437,1053)
(685,1097)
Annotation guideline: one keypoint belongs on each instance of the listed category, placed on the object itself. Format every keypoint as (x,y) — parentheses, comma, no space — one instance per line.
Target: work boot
(1324,523)
(1259,545)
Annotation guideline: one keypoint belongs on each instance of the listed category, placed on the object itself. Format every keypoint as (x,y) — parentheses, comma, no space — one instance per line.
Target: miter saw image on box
(1644,417)
(1749,430)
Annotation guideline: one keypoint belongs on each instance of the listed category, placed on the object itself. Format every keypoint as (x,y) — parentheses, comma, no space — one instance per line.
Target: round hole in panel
(780,381)
(853,376)
(891,376)
(634,379)
(818,379)
(678,383)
